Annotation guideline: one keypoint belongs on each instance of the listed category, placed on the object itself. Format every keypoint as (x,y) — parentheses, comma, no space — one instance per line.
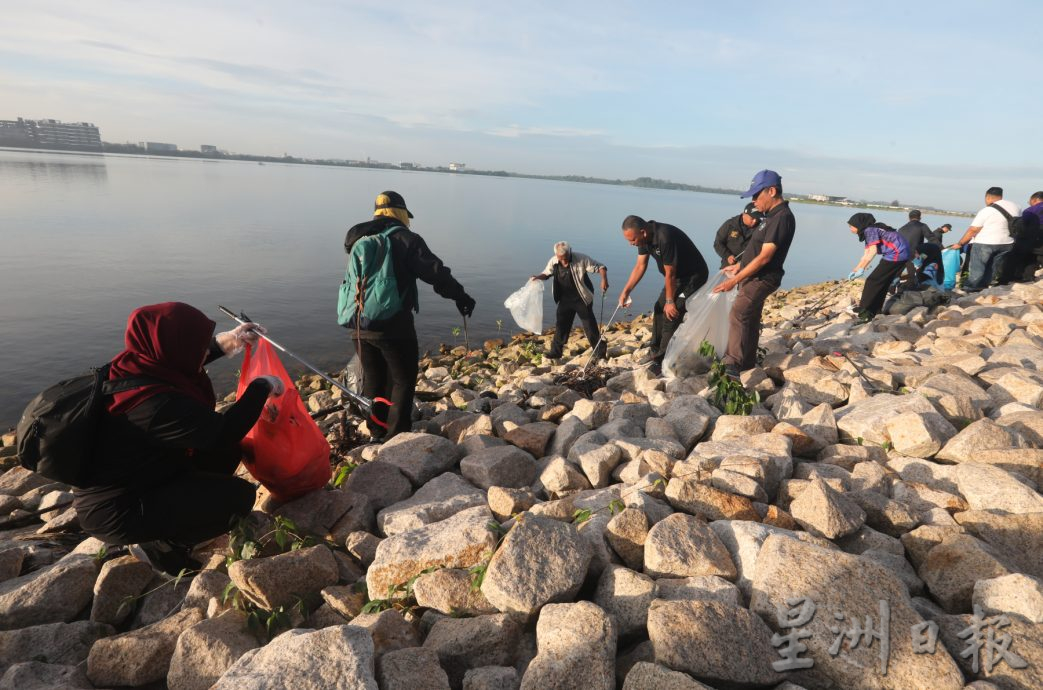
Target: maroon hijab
(169,342)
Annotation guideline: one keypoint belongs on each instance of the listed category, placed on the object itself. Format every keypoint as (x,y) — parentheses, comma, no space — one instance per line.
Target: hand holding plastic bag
(706,318)
(526,306)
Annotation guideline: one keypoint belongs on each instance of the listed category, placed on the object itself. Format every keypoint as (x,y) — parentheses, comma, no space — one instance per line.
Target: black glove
(465,304)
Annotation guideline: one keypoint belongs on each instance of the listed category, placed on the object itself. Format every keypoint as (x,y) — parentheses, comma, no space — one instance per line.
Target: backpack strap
(1010,218)
(124,384)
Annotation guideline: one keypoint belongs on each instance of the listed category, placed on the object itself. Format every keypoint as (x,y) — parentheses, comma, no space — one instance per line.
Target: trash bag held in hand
(285,450)
(526,306)
(706,318)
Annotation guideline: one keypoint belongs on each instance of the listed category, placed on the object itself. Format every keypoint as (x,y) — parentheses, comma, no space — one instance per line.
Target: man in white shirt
(990,240)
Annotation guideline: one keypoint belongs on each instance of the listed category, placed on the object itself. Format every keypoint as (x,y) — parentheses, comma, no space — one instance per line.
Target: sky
(923,102)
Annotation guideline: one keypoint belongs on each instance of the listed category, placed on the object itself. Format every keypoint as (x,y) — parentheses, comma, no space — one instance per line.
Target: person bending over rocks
(163,474)
(684,271)
(574,294)
(894,254)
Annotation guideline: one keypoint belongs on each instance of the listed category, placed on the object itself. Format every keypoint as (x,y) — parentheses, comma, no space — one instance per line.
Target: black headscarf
(861,221)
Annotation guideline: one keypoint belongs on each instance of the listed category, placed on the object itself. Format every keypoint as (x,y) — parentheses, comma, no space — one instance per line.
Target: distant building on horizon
(824,197)
(207,148)
(158,147)
(50,134)
(457,166)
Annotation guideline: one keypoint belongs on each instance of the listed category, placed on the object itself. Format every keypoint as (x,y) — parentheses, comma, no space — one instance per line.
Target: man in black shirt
(734,233)
(760,272)
(574,294)
(684,271)
(915,233)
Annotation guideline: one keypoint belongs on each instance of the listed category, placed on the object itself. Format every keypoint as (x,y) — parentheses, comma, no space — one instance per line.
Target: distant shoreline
(639,182)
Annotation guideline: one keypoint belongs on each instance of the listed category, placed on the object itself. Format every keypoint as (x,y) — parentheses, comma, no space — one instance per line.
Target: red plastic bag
(285,450)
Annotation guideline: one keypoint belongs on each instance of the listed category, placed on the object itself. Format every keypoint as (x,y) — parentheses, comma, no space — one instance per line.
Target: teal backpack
(370,289)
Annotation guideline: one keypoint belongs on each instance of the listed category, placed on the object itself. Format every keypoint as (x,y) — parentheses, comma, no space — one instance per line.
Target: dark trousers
(663,328)
(188,508)
(389,369)
(744,323)
(568,310)
(875,291)
(1020,265)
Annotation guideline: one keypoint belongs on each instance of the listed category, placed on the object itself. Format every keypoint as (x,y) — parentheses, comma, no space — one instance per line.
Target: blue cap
(762,180)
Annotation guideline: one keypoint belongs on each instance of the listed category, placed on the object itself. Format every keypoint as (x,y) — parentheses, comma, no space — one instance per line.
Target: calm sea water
(86,239)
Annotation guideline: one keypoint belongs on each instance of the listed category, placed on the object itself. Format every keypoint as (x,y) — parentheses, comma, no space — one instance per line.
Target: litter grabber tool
(467,339)
(365,405)
(604,329)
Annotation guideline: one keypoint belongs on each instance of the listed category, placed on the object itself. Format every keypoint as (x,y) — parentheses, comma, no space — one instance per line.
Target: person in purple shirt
(1027,255)
(893,250)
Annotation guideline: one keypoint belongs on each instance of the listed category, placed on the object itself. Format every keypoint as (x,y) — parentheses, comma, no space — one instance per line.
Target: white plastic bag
(706,318)
(526,306)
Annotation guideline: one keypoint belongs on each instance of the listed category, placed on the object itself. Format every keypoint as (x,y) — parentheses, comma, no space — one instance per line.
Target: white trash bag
(706,318)
(526,306)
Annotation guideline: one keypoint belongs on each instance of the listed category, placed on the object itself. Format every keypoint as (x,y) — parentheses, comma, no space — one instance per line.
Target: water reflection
(62,169)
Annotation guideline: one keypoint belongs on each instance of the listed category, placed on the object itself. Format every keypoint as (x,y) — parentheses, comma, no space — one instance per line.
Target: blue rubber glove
(856,274)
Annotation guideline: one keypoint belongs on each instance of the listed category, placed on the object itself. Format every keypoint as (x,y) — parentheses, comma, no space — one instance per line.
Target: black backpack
(57,431)
(1015,226)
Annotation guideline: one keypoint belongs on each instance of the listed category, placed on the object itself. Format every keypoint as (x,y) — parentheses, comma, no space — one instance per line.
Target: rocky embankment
(876,522)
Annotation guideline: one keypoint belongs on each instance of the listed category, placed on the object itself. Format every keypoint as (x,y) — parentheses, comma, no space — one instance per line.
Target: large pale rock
(576,649)
(209,648)
(592,413)
(504,466)
(463,644)
(826,513)
(696,498)
(540,561)
(441,498)
(323,512)
(1017,387)
(53,595)
(450,591)
(625,595)
(566,434)
(882,513)
(532,438)
(205,586)
(412,669)
(560,477)
(120,579)
(683,546)
(421,457)
(919,434)
(700,588)
(647,676)
(389,630)
(381,482)
(468,426)
(51,643)
(598,463)
(280,580)
(491,678)
(867,419)
(816,384)
(990,488)
(33,675)
(718,642)
(461,541)
(164,595)
(1015,593)
(740,426)
(983,434)
(626,533)
(1017,538)
(956,396)
(140,656)
(743,540)
(336,657)
(1020,668)
(508,417)
(593,533)
(18,480)
(833,581)
(505,502)
(951,569)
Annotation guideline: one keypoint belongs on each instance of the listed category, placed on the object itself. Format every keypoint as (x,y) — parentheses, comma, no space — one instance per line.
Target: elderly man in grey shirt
(574,295)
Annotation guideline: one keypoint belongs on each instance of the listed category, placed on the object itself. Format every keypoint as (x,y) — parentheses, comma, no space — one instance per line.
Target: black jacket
(412,259)
(915,233)
(731,240)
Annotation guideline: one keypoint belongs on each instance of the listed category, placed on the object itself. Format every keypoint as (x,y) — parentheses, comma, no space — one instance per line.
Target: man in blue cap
(759,273)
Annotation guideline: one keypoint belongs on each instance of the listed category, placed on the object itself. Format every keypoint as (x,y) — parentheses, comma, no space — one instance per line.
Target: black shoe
(166,557)
(731,371)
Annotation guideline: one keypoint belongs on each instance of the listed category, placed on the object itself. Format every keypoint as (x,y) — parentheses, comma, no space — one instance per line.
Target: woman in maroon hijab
(163,477)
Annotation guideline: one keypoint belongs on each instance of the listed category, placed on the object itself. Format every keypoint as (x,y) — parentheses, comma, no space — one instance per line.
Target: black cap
(752,212)
(390,199)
